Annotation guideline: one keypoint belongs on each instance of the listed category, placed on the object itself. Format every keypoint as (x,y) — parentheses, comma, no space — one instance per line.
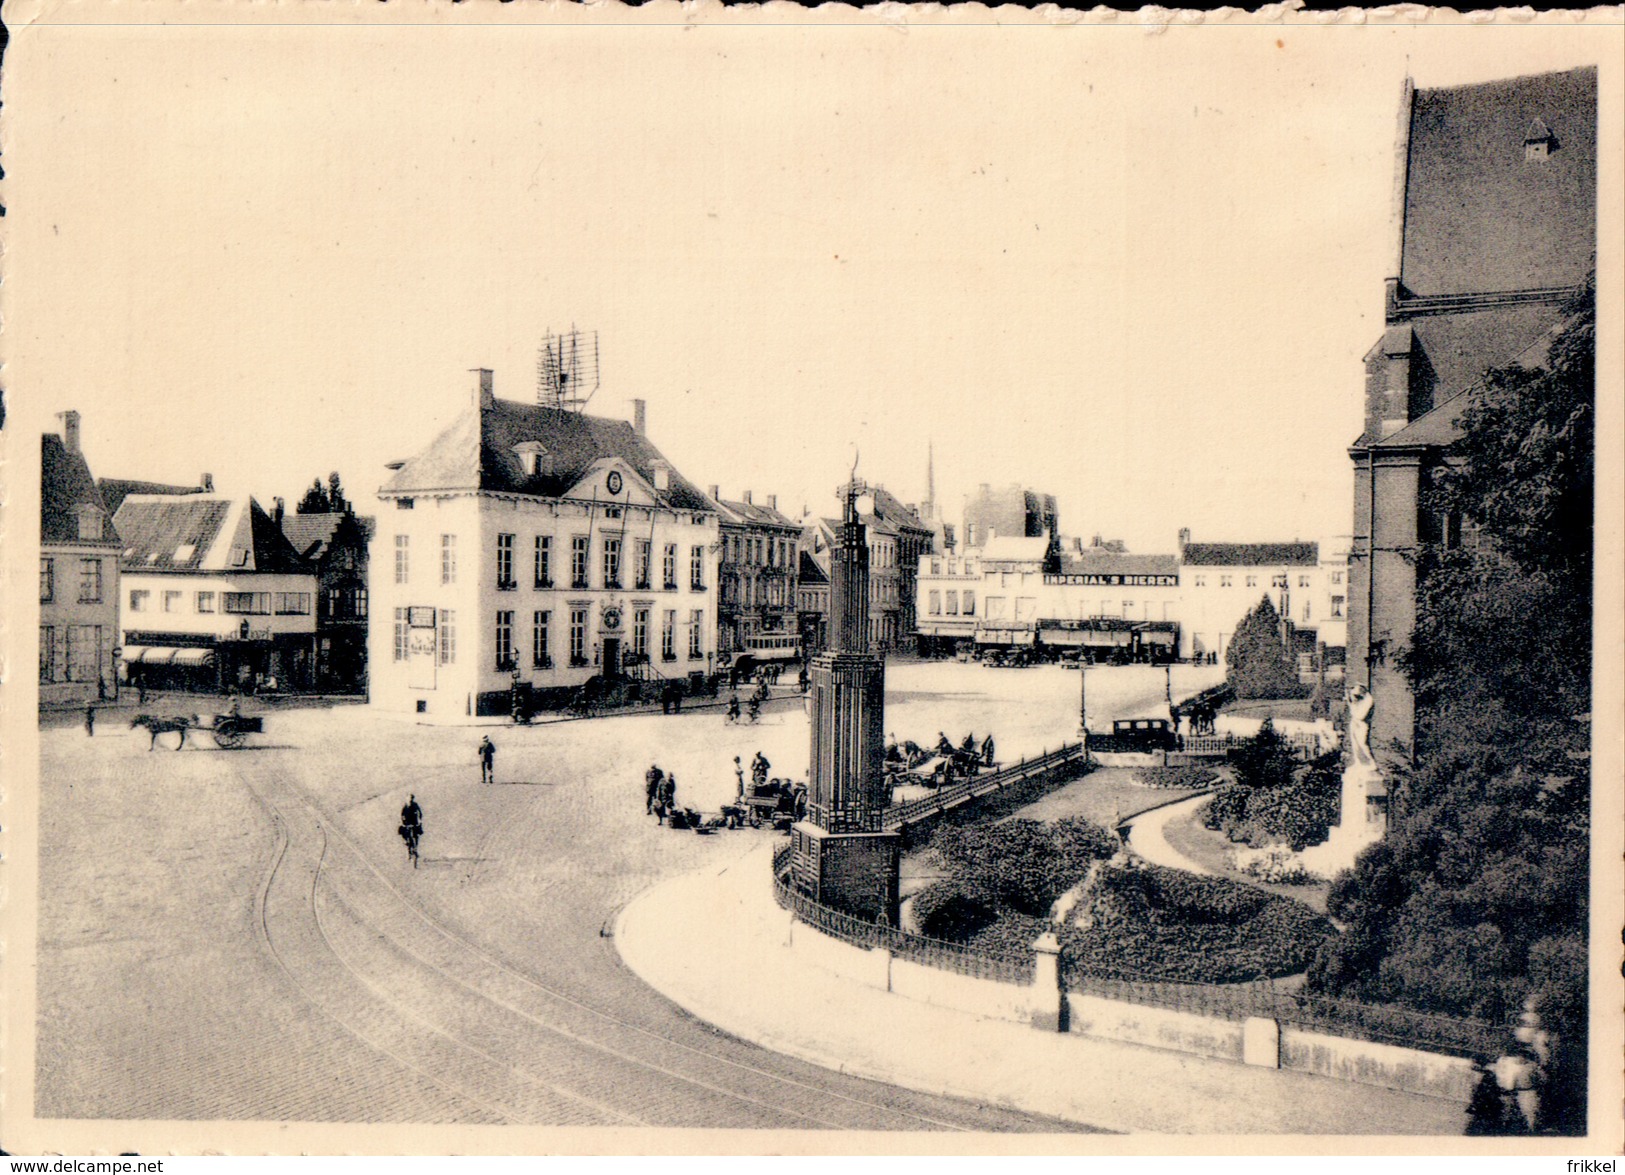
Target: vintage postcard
(1095,538)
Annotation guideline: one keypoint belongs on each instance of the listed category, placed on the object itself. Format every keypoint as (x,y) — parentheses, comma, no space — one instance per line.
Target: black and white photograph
(1095,539)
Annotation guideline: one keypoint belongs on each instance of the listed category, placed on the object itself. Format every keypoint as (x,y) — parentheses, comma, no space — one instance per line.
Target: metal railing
(1303,746)
(915,948)
(1380,1023)
(945,798)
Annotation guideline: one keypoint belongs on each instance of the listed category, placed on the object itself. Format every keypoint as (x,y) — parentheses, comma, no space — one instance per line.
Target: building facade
(812,605)
(212,596)
(1010,512)
(533,548)
(1495,232)
(1220,583)
(897,537)
(336,545)
(757,578)
(79,576)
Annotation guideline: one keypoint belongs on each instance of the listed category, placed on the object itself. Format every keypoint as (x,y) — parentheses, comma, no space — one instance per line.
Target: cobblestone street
(240,935)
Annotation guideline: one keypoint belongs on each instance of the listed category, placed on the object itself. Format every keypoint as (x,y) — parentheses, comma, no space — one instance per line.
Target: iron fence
(915,948)
(1380,1023)
(951,797)
(1303,746)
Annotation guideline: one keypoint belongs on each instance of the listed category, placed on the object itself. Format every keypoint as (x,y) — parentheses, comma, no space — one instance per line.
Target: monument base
(853,872)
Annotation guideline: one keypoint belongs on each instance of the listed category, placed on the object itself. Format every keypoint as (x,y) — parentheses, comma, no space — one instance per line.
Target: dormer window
(662,476)
(90,524)
(531,455)
(1539,142)
(184,552)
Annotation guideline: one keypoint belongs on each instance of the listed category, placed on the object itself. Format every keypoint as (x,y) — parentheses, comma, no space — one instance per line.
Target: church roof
(1479,216)
(477,452)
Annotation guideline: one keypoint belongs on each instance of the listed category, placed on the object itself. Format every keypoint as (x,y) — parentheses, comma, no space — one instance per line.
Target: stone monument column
(840,855)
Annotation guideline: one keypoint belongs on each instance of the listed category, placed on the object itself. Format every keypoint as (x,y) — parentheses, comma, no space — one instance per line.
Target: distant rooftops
(1294,554)
(202,532)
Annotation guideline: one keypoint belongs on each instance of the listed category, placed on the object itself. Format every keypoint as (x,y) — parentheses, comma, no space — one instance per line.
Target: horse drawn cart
(229,730)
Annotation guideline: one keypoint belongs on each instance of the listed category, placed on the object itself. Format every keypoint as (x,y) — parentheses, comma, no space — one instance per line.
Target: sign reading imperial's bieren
(1081,580)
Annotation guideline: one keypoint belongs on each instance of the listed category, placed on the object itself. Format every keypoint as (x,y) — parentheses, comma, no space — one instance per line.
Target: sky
(1134,270)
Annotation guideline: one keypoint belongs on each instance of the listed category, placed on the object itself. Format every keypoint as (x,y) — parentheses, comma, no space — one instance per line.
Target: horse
(157,726)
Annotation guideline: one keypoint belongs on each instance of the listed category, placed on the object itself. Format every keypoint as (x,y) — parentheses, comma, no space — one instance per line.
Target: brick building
(335,545)
(79,576)
(1495,230)
(756,579)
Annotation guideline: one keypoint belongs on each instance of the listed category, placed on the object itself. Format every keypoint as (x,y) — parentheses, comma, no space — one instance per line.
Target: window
(968,599)
(448,637)
(1201,581)
(995,607)
(1128,609)
(1226,581)
(578,561)
(205,601)
(504,648)
(934,604)
(1252,581)
(138,600)
(403,564)
(544,560)
(90,581)
(1278,581)
(696,569)
(404,503)
(448,557)
(172,601)
(400,634)
(668,635)
(640,632)
(47,653)
(1337,578)
(83,661)
(1306,610)
(541,655)
(578,636)
(1303,581)
(90,524)
(247,603)
(359,595)
(668,567)
(1337,607)
(293,603)
(47,582)
(951,603)
(645,567)
(696,635)
(505,579)
(612,562)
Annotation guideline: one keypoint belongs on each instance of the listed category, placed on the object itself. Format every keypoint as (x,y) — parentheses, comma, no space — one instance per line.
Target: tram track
(478,1028)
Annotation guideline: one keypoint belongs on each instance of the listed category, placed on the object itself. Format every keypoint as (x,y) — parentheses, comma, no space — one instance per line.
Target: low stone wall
(1162,1028)
(1369,1063)
(946,989)
(872,968)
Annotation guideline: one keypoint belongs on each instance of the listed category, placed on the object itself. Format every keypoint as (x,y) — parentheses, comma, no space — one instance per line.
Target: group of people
(754,705)
(968,748)
(659,793)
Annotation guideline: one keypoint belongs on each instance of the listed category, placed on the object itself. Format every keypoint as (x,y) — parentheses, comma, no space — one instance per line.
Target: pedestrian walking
(733,708)
(141,690)
(668,799)
(651,787)
(739,777)
(487,754)
(987,751)
(90,721)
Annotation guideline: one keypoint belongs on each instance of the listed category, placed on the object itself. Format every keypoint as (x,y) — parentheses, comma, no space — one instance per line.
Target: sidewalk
(716,944)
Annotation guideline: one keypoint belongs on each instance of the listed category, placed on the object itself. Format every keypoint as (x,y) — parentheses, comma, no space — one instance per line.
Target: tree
(324,500)
(1257,664)
(1476,903)
(335,495)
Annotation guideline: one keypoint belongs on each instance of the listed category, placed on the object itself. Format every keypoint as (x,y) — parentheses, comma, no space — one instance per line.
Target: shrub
(1278,801)
(1193,777)
(1257,664)
(943,910)
(1021,865)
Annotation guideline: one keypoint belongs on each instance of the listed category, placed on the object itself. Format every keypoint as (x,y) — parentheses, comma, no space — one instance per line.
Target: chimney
(1184,537)
(207,482)
(640,420)
(772,501)
(715,492)
(747,497)
(280,509)
(70,430)
(485,393)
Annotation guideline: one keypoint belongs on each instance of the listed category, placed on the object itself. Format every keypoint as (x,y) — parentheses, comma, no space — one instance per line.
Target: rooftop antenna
(567,369)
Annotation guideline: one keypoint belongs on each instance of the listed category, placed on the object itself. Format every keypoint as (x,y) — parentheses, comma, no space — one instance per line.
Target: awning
(1004,636)
(1064,636)
(1156,637)
(149,654)
(194,656)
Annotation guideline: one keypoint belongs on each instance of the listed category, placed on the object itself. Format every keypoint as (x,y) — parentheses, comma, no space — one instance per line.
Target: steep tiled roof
(1118,563)
(65,487)
(1478,216)
(754,514)
(202,532)
(116,489)
(1251,554)
(477,453)
(812,574)
(894,511)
